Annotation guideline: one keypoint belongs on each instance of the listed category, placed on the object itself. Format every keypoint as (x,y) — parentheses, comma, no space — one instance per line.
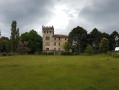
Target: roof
(59,35)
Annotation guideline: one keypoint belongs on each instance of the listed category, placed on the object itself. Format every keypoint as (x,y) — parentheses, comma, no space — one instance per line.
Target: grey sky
(64,15)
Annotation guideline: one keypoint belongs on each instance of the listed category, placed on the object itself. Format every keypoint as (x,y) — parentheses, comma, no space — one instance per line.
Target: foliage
(78,39)
(104,45)
(47,53)
(113,54)
(113,40)
(5,45)
(24,37)
(67,46)
(34,41)
(95,38)
(22,47)
(89,50)
(14,36)
(66,53)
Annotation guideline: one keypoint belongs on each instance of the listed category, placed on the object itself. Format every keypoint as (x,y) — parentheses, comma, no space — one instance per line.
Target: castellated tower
(53,42)
(48,33)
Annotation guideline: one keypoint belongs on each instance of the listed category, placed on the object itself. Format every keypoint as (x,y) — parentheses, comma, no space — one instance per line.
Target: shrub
(44,53)
(50,53)
(47,53)
(66,53)
(4,54)
(113,54)
(89,50)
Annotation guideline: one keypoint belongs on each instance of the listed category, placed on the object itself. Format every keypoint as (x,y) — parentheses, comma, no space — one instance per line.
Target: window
(55,43)
(59,38)
(59,43)
(50,31)
(54,38)
(54,48)
(47,44)
(47,38)
(44,31)
(59,49)
(65,38)
(47,31)
(47,49)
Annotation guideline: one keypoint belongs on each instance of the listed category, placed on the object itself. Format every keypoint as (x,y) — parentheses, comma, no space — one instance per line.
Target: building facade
(53,42)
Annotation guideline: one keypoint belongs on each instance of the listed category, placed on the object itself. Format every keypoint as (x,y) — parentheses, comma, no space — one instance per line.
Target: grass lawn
(35,72)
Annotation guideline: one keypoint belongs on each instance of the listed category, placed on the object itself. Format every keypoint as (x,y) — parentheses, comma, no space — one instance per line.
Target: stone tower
(48,33)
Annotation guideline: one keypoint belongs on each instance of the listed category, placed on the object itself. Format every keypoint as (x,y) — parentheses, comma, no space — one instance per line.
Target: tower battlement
(47,28)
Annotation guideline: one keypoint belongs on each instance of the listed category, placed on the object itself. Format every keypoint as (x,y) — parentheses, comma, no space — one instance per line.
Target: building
(53,42)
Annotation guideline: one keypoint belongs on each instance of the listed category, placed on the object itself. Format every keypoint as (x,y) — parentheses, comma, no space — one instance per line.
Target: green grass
(30,72)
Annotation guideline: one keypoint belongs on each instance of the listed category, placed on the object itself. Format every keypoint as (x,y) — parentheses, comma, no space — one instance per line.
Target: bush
(50,53)
(66,53)
(114,54)
(10,54)
(44,53)
(47,53)
(4,54)
(89,50)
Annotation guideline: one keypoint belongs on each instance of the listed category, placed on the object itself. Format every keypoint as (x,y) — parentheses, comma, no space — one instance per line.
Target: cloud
(26,12)
(63,14)
(102,14)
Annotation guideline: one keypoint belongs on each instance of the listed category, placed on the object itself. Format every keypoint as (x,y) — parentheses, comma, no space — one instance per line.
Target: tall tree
(114,40)
(95,38)
(14,36)
(78,39)
(104,45)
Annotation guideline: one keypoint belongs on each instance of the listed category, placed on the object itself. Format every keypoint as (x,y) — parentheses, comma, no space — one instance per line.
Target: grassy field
(30,72)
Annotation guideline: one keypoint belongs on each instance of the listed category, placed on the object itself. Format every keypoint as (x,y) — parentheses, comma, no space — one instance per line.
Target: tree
(67,46)
(95,38)
(104,45)
(78,39)
(113,40)
(4,44)
(24,36)
(8,46)
(1,46)
(22,47)
(34,41)
(14,36)
(89,50)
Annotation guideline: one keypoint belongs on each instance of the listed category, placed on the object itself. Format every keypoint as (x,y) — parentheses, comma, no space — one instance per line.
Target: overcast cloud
(64,15)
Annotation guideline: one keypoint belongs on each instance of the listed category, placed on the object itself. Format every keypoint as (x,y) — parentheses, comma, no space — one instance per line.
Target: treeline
(79,42)
(26,43)
(94,42)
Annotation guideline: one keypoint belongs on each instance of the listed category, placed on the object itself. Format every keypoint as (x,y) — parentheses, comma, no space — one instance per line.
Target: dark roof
(59,35)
